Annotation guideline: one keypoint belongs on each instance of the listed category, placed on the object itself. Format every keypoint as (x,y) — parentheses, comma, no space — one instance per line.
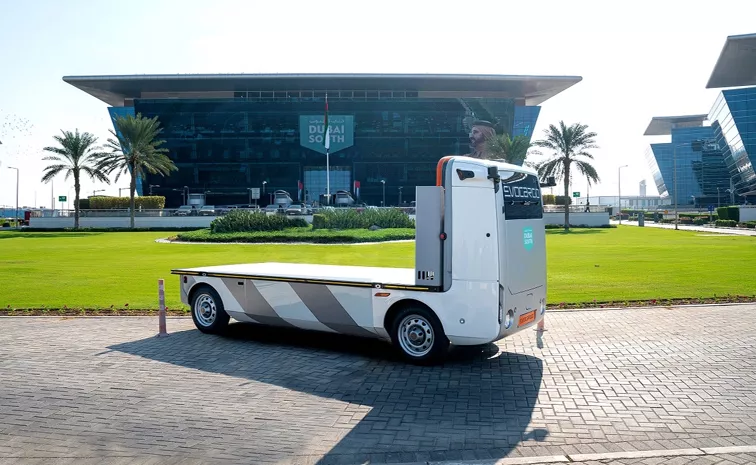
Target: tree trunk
(132,191)
(566,196)
(77,189)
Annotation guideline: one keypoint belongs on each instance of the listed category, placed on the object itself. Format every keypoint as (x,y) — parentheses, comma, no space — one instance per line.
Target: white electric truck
(479,276)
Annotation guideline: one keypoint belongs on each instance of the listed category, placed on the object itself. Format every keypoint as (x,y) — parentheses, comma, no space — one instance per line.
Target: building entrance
(315,181)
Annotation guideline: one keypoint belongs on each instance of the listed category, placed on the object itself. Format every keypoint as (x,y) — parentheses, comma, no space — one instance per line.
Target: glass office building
(691,162)
(733,118)
(230,134)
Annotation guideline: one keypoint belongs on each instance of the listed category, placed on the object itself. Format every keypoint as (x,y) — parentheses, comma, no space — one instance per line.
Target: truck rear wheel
(207,311)
(419,336)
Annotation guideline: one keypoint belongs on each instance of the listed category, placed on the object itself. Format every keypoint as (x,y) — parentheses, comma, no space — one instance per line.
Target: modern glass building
(721,169)
(733,118)
(229,134)
(692,161)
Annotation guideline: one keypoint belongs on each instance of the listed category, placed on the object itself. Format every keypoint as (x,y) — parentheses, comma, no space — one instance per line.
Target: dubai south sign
(312,131)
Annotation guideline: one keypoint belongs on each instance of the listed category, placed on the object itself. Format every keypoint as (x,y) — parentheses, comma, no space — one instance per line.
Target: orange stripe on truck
(440,170)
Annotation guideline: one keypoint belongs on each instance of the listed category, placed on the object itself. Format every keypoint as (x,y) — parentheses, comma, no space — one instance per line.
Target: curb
(571,458)
(399,241)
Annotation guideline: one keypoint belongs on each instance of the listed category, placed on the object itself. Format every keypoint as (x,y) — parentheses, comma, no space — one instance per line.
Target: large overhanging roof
(736,66)
(663,125)
(115,89)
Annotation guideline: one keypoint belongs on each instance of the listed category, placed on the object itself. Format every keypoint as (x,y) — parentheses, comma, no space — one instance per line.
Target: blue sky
(638,59)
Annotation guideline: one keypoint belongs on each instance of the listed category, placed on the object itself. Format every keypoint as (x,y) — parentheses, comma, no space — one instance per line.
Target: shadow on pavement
(478,404)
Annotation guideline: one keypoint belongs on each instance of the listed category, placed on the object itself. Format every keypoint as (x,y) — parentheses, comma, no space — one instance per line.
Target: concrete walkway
(686,227)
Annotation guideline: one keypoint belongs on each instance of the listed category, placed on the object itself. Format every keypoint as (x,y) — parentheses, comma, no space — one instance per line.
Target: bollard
(161,313)
(541,327)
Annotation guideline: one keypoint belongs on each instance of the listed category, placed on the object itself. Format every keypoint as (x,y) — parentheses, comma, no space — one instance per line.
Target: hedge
(154,202)
(245,221)
(390,218)
(729,213)
(549,199)
(727,223)
(292,235)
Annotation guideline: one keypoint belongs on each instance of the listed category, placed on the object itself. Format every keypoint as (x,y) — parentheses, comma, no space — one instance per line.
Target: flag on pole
(327,132)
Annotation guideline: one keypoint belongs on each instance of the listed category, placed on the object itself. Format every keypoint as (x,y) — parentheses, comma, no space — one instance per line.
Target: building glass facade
(223,147)
(733,118)
(702,177)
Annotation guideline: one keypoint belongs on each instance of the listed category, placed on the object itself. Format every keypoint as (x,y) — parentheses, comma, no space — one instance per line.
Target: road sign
(61,198)
(711,208)
(576,194)
(254,193)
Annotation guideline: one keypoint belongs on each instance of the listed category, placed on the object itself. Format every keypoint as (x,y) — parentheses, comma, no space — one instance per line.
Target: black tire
(204,300)
(429,345)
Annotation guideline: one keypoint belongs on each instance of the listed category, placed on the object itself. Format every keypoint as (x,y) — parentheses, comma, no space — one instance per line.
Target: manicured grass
(300,235)
(97,270)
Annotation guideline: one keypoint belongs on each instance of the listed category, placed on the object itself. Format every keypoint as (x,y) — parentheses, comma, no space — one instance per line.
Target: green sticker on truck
(527,238)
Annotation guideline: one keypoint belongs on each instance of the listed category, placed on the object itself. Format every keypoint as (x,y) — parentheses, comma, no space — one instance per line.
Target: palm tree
(136,150)
(570,145)
(510,150)
(75,153)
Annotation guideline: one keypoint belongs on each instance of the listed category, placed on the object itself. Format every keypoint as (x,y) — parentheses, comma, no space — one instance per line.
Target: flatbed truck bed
(350,276)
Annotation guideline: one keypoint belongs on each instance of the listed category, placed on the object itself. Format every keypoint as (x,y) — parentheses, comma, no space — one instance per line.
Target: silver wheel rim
(205,310)
(416,335)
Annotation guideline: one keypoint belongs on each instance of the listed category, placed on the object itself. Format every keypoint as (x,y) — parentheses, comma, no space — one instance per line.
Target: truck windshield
(522,196)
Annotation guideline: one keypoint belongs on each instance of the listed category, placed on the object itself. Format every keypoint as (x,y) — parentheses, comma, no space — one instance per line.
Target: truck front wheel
(207,310)
(419,336)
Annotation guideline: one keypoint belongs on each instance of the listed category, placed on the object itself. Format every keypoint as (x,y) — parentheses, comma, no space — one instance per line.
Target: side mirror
(493,173)
(550,182)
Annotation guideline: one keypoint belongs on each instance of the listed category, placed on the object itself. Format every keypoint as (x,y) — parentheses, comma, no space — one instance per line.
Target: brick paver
(81,389)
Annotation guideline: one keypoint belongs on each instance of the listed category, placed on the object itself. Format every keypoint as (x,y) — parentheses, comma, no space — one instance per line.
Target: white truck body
(480,271)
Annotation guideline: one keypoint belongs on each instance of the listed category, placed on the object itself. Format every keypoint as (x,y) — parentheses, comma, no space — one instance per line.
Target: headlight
(508,319)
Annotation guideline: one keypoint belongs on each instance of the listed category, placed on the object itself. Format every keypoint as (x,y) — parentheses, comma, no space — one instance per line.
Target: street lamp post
(153,185)
(383,202)
(17,171)
(400,196)
(619,191)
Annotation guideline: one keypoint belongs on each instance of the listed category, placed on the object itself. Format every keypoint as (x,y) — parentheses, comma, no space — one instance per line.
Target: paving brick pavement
(88,389)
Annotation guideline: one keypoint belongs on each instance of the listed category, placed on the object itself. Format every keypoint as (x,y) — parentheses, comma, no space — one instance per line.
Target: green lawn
(95,270)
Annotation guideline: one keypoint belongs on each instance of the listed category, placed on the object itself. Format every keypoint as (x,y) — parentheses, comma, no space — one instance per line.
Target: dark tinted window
(522,196)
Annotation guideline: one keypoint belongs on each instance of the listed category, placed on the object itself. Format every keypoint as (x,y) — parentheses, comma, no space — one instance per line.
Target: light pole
(619,191)
(94,192)
(263,189)
(400,196)
(122,189)
(17,171)
(383,202)
(674,177)
(151,186)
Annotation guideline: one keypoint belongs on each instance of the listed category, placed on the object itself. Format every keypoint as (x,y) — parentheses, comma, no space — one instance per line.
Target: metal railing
(176,212)
(576,209)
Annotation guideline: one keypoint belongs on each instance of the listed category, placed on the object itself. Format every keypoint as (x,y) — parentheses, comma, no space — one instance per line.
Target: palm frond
(587,170)
(134,148)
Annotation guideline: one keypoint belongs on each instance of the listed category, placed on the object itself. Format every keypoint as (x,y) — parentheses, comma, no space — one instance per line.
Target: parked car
(185,210)
(296,209)
(207,210)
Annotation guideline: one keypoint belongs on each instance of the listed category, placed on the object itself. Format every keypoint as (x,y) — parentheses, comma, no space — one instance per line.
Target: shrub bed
(727,223)
(154,202)
(304,234)
(390,218)
(246,221)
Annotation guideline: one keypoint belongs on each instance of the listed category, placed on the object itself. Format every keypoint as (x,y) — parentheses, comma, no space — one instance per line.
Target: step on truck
(479,276)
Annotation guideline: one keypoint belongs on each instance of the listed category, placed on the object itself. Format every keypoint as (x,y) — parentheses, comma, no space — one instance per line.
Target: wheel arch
(396,307)
(195,287)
